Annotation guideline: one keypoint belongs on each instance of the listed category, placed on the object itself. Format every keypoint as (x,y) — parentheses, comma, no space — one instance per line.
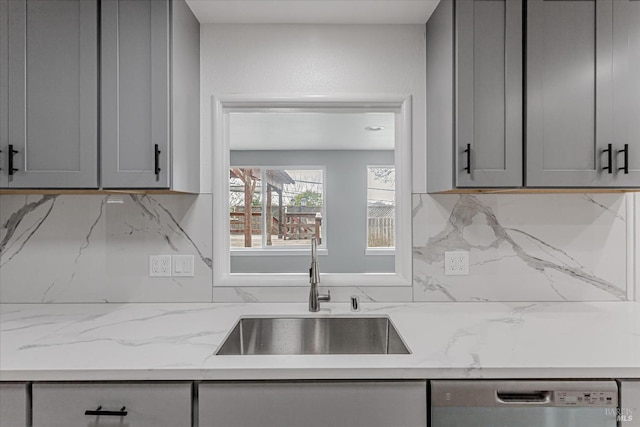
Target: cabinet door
(13,405)
(4,53)
(569,93)
(145,405)
(135,93)
(313,404)
(630,403)
(52,93)
(626,91)
(489,93)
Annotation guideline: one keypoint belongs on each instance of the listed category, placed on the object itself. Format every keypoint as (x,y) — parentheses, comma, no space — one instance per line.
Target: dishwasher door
(478,403)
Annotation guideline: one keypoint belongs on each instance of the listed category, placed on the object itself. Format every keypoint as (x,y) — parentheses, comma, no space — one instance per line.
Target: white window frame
(379,250)
(278,251)
(224,104)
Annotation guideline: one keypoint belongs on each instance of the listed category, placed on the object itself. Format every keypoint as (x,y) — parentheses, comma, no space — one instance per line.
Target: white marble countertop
(447,340)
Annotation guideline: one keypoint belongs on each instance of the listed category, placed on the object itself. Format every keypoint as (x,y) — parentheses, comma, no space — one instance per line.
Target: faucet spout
(314,278)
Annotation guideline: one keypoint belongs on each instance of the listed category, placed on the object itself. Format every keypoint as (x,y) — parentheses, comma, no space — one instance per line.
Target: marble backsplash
(534,247)
(527,247)
(93,248)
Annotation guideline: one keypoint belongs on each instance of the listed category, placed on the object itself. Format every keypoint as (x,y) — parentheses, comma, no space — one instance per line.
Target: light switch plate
(456,263)
(183,265)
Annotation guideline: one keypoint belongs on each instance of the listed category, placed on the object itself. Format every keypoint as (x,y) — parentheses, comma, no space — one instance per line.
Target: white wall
(313,59)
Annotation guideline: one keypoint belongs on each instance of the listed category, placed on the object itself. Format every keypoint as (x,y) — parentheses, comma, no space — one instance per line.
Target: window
(340,137)
(381,207)
(276,207)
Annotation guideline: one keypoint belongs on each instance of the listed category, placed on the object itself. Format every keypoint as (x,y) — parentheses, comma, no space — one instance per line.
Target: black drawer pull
(157,168)
(625,150)
(100,412)
(11,154)
(609,152)
(468,151)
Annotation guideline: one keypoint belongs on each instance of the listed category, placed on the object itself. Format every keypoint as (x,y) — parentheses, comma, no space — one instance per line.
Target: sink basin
(313,335)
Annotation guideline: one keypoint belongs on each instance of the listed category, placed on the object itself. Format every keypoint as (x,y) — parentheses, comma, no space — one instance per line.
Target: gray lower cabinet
(583,87)
(629,403)
(149,95)
(49,93)
(313,404)
(13,405)
(109,404)
(474,95)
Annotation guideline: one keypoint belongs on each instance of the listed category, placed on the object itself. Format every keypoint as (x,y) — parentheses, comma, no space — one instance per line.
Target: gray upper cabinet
(626,91)
(150,95)
(474,95)
(49,93)
(149,85)
(4,72)
(489,93)
(570,138)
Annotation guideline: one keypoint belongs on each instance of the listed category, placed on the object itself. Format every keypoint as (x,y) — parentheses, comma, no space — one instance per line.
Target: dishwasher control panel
(585,398)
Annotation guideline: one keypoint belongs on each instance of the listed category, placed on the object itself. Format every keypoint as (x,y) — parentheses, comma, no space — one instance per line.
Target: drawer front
(146,405)
(13,405)
(313,404)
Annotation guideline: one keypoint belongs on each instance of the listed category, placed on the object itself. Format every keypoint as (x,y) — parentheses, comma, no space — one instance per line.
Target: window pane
(295,199)
(245,203)
(381,206)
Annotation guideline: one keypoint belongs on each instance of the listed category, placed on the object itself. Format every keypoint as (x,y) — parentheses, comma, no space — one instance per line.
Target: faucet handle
(326,297)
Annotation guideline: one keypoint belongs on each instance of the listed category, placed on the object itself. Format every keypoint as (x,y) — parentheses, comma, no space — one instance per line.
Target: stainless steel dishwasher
(479,403)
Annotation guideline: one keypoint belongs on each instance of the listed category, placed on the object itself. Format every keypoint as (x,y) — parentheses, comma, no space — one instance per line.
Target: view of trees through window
(381,206)
(273,207)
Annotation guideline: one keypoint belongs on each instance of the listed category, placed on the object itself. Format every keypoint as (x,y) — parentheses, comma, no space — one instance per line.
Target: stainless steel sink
(313,335)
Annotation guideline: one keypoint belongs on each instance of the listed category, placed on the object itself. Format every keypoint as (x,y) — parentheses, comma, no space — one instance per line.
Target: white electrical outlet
(183,265)
(456,263)
(160,265)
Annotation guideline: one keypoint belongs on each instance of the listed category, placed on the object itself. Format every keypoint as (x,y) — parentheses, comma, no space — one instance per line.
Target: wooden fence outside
(296,225)
(381,232)
(299,225)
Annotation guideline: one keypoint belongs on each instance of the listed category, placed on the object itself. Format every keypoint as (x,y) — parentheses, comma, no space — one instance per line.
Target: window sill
(380,251)
(276,252)
(283,280)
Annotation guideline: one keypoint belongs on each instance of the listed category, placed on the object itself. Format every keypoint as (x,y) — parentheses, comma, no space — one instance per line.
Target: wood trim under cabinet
(537,190)
(88,192)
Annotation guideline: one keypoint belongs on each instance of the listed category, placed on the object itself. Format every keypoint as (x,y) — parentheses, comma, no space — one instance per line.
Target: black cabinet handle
(625,150)
(11,153)
(100,412)
(156,167)
(468,151)
(609,152)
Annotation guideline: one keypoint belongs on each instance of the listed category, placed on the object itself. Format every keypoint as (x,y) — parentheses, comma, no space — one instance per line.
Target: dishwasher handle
(524,397)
